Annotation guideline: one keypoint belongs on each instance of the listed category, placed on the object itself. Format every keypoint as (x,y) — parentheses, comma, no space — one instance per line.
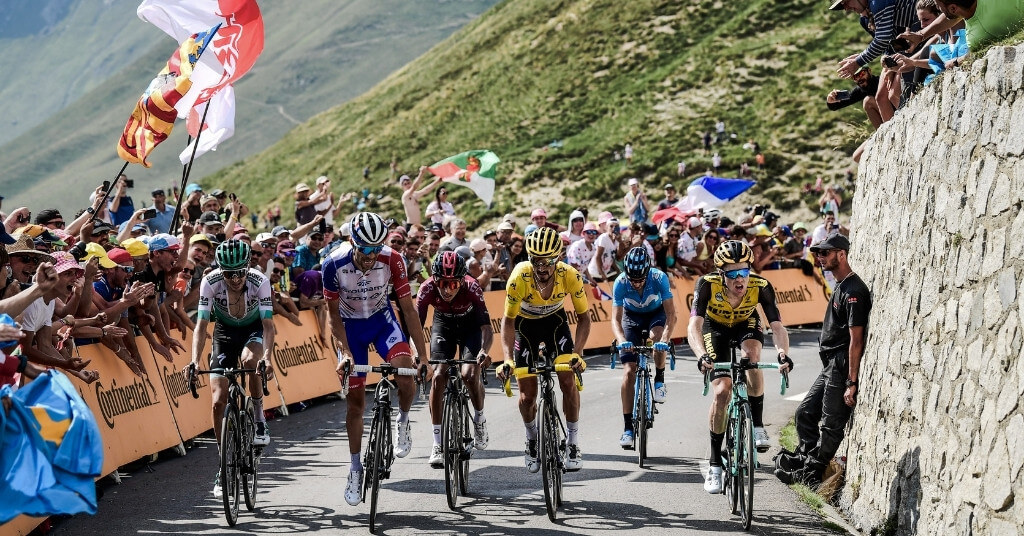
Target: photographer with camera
(161,221)
(121,207)
(863,92)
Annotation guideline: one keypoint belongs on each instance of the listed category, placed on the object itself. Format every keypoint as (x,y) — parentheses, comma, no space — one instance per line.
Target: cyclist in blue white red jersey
(357,282)
(460,321)
(641,300)
(238,299)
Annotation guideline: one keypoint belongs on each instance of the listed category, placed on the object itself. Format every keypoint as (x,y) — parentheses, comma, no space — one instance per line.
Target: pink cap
(537,213)
(64,261)
(604,217)
(590,226)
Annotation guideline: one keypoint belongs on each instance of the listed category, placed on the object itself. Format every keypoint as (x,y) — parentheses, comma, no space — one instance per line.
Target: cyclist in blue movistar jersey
(642,301)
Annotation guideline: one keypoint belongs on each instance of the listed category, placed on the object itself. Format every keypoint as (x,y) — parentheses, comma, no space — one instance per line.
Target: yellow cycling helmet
(732,252)
(543,242)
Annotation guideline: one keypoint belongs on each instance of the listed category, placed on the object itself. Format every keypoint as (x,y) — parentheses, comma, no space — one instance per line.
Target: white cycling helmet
(368,229)
(711,214)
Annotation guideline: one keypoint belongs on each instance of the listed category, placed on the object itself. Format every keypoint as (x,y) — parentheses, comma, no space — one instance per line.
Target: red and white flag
(233,52)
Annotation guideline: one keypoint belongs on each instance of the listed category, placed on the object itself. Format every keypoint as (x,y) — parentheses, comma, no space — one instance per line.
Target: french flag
(712,192)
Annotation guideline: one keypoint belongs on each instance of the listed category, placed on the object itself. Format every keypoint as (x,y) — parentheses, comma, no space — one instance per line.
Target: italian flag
(472,169)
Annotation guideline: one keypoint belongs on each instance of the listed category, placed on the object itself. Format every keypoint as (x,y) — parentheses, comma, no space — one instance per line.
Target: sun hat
(94,250)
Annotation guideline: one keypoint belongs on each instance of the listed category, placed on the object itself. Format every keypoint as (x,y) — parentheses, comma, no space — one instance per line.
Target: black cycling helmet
(637,263)
(543,242)
(449,265)
(233,255)
(733,252)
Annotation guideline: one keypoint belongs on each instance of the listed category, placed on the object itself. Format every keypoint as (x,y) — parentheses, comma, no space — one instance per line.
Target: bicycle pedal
(628,447)
(763,448)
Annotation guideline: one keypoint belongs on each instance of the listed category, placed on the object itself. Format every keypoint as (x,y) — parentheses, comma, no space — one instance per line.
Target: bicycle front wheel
(746,462)
(230,459)
(467,448)
(729,459)
(251,456)
(549,458)
(451,441)
(374,467)
(642,401)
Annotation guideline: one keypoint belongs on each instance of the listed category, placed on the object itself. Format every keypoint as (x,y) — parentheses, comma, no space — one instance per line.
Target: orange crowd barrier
(303,366)
(132,413)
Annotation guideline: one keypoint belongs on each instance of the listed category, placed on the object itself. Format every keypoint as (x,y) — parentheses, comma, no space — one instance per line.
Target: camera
(232,196)
(322,227)
(129,183)
(149,214)
(842,95)
(890,62)
(900,44)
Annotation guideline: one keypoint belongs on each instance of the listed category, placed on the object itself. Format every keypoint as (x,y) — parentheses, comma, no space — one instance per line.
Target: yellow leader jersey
(523,298)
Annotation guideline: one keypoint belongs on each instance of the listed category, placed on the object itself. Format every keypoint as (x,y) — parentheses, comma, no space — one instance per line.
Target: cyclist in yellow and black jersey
(535,314)
(728,300)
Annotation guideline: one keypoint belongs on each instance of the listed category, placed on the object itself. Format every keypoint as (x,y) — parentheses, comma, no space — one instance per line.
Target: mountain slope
(317,54)
(594,74)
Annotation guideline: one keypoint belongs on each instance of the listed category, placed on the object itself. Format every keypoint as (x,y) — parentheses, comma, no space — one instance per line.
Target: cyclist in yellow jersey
(728,300)
(535,314)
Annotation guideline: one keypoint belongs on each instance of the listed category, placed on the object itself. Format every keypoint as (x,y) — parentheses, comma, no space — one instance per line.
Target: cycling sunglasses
(543,261)
(450,285)
(736,274)
(369,250)
(235,274)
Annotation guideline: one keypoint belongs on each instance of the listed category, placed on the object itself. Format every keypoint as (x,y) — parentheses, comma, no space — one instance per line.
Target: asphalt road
(303,474)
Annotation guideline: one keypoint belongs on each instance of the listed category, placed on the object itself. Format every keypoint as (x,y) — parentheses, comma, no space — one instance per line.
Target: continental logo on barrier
(293,356)
(120,400)
(801,293)
(177,384)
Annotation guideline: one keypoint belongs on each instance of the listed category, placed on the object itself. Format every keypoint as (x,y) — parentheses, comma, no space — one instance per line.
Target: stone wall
(937,440)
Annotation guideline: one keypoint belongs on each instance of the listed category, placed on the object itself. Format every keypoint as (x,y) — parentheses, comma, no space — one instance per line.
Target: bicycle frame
(457,443)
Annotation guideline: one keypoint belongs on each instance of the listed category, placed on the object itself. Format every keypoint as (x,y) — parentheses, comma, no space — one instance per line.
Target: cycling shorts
(553,330)
(449,333)
(717,338)
(383,331)
(633,324)
(229,341)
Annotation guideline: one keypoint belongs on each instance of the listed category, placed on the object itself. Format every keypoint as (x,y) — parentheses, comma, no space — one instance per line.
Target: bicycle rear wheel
(451,441)
(746,462)
(251,458)
(374,467)
(641,401)
(552,473)
(729,480)
(467,448)
(230,458)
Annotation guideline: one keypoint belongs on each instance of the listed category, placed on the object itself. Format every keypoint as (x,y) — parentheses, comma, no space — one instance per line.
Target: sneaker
(660,392)
(436,459)
(574,462)
(262,436)
(626,441)
(480,437)
(713,483)
(530,457)
(761,441)
(216,485)
(354,488)
(404,444)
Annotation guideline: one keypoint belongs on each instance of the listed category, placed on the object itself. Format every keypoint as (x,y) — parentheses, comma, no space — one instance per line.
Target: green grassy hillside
(594,74)
(318,54)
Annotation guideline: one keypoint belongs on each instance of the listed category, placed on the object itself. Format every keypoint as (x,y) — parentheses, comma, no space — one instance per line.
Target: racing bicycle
(239,458)
(739,458)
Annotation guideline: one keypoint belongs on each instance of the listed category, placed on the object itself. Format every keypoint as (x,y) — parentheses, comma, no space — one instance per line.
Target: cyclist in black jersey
(460,321)
(728,300)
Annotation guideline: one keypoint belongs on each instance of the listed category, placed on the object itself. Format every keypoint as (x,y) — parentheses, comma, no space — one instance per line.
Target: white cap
(694,222)
(632,181)
(322,179)
(479,244)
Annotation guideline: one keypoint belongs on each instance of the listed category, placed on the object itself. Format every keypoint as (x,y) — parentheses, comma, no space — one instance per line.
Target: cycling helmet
(449,265)
(732,252)
(711,214)
(637,263)
(233,255)
(368,229)
(544,242)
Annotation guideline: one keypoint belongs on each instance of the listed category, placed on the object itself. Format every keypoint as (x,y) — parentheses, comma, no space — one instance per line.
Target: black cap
(832,241)
(837,5)
(46,215)
(100,226)
(669,187)
(209,217)
(217,192)
(157,192)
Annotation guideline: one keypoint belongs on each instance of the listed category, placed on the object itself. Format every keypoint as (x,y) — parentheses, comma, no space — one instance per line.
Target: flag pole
(113,184)
(186,170)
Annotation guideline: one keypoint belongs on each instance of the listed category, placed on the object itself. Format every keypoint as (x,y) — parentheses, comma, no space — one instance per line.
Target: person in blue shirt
(641,300)
(161,223)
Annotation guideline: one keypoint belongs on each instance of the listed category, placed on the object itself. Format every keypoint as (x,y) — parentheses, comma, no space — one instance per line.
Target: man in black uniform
(831,398)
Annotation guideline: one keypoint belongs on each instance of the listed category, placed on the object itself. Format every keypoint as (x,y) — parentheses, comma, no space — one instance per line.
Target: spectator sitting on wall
(863,92)
(987,21)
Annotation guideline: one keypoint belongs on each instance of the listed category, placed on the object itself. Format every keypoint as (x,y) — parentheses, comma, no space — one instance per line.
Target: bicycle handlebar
(192,376)
(783,381)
